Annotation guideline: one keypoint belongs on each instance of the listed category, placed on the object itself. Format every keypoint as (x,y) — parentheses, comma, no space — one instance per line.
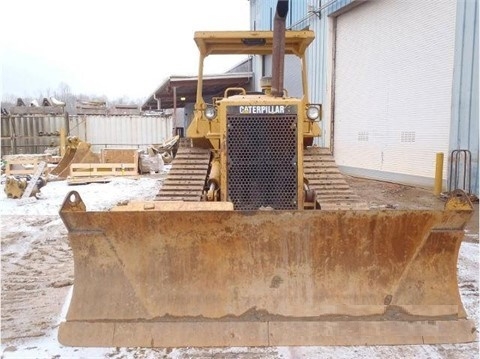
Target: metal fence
(31,133)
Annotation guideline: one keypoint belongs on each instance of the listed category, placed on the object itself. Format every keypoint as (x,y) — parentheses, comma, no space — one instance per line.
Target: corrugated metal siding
(293,78)
(317,68)
(30,134)
(465,117)
(262,13)
(337,5)
(121,131)
(297,14)
(464,126)
(392,101)
(300,17)
(293,74)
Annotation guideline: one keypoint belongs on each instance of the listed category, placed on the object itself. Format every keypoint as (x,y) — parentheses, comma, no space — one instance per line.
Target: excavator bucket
(76,152)
(178,274)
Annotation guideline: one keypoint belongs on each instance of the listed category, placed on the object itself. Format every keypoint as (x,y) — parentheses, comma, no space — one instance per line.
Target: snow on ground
(96,196)
(20,234)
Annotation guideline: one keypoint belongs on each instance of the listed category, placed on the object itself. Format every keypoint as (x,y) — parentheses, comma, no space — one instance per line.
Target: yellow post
(438,174)
(63,141)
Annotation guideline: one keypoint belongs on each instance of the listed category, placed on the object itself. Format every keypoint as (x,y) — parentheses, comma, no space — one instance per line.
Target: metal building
(398,81)
(464,130)
(121,131)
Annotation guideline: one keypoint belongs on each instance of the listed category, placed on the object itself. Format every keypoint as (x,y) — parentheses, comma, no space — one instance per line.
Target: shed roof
(186,87)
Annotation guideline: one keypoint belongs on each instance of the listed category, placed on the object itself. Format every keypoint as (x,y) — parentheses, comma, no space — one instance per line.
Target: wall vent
(363,136)
(407,136)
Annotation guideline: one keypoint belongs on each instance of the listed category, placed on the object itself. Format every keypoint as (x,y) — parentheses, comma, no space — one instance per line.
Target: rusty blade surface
(263,266)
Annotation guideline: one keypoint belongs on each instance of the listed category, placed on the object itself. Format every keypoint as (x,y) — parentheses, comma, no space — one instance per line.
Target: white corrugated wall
(133,131)
(393,88)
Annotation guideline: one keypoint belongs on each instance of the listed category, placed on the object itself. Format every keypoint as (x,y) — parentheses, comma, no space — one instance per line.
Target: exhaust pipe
(278,55)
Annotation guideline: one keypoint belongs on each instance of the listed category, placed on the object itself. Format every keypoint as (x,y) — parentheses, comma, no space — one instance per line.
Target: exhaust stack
(278,54)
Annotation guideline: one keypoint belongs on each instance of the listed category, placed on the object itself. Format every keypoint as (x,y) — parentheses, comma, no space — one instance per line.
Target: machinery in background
(76,151)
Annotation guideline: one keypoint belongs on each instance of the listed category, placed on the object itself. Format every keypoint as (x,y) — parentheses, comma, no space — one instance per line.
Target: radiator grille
(262,161)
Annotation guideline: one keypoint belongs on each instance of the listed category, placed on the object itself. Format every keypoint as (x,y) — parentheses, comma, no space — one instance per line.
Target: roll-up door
(393,87)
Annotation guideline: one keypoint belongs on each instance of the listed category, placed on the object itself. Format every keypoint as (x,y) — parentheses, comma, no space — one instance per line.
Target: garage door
(393,85)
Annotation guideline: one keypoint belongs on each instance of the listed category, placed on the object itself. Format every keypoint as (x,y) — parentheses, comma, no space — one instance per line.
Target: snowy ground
(37,277)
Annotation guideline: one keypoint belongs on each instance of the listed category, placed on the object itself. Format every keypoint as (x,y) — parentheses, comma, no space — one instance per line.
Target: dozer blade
(178,274)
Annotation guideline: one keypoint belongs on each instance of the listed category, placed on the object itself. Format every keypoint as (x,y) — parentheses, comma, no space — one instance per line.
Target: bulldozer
(255,238)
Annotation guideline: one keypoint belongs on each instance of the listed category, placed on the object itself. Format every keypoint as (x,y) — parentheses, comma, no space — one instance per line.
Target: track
(186,179)
(333,192)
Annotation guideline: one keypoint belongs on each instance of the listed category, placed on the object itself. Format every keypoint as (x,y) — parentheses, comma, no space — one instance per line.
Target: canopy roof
(250,42)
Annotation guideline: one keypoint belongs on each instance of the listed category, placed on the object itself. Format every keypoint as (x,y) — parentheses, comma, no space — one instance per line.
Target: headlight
(313,112)
(210,113)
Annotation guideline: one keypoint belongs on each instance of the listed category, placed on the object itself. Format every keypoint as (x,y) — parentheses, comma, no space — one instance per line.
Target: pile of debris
(25,175)
(26,186)
(153,159)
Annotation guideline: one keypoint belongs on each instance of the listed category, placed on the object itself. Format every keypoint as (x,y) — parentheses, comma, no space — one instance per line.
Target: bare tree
(8,101)
(64,94)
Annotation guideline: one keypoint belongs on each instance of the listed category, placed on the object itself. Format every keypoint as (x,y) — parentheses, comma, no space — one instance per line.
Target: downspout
(174,110)
(332,95)
(158,101)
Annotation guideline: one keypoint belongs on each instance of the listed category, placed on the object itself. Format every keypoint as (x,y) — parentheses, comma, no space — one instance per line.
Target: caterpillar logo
(262,110)
(269,110)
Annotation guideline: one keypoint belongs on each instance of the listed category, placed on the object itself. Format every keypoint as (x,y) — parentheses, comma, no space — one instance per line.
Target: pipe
(63,141)
(278,53)
(213,182)
(438,174)
(214,176)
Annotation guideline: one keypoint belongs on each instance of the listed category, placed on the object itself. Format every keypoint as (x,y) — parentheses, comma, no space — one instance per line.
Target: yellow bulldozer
(256,240)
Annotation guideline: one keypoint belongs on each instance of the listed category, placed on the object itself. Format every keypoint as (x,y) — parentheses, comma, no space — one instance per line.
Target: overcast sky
(113,48)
